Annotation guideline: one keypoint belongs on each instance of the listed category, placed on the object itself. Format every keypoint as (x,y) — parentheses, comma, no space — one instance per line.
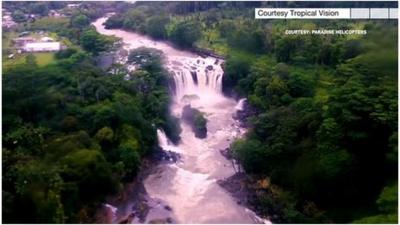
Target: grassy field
(42,59)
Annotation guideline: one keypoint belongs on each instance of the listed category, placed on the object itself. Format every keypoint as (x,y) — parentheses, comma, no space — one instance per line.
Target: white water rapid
(189,187)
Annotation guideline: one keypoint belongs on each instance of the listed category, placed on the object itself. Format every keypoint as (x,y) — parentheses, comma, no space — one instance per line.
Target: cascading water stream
(188,189)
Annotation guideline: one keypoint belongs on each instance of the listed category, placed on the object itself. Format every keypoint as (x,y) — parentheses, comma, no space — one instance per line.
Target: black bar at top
(332,4)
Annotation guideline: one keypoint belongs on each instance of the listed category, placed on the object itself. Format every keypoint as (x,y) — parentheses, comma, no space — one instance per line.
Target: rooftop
(42,46)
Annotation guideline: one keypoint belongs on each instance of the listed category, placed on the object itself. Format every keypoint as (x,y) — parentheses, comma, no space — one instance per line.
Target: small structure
(47,39)
(22,41)
(55,13)
(7,17)
(22,34)
(31,18)
(42,47)
(73,6)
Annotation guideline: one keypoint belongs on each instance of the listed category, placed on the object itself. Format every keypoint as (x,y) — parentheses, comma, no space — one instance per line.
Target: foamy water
(190,187)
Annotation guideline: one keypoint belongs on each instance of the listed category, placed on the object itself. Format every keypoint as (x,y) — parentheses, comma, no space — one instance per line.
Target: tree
(115,21)
(18,16)
(40,187)
(134,20)
(185,33)
(105,134)
(30,60)
(226,27)
(387,204)
(246,38)
(146,58)
(300,85)
(129,155)
(156,27)
(250,154)
(65,53)
(89,169)
(351,49)
(94,42)
(40,8)
(80,21)
(283,49)
(237,67)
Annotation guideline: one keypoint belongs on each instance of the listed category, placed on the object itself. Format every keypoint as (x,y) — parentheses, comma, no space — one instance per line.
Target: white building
(47,39)
(42,47)
(73,6)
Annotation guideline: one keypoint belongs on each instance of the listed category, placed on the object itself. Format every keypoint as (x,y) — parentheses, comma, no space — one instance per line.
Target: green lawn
(42,59)
(7,39)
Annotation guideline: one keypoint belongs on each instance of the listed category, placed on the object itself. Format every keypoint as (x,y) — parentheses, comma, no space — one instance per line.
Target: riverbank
(246,189)
(206,53)
(132,203)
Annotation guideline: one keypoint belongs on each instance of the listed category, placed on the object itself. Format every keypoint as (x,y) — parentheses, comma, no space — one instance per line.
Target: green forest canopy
(324,124)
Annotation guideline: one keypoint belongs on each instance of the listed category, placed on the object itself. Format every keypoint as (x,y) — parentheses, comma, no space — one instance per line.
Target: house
(42,47)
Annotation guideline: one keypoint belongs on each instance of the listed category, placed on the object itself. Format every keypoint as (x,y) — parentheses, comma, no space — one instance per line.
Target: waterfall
(240,105)
(111,212)
(112,208)
(196,76)
(165,143)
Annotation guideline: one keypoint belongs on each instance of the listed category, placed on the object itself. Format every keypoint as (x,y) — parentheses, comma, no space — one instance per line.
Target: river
(189,187)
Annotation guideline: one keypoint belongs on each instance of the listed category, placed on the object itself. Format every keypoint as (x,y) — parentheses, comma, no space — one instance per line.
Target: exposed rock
(247,190)
(123,52)
(244,115)
(196,120)
(194,76)
(206,53)
(142,209)
(226,153)
(104,61)
(128,219)
(189,98)
(161,221)
(168,156)
(171,83)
